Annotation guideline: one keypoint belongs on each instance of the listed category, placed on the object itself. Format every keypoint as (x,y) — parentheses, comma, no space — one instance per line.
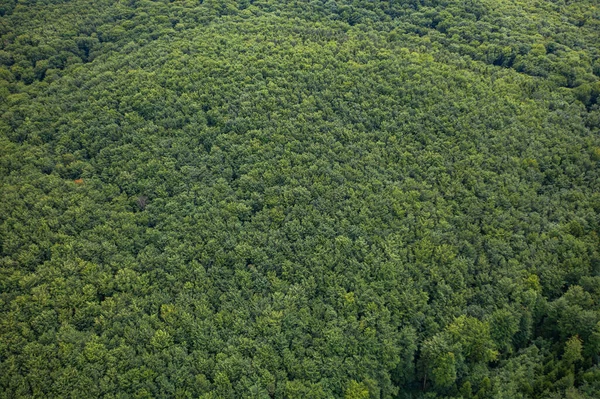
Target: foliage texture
(300,199)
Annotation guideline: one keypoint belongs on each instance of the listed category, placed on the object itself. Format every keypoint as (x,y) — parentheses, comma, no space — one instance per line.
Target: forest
(357,199)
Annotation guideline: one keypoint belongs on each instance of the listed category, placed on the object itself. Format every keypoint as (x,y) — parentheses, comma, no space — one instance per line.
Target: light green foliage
(356,390)
(444,370)
(474,338)
(573,350)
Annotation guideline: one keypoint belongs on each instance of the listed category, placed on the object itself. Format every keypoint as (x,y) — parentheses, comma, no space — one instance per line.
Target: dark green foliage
(299,199)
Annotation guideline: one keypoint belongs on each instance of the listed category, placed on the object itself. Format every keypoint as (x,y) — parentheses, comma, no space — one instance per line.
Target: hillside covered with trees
(300,199)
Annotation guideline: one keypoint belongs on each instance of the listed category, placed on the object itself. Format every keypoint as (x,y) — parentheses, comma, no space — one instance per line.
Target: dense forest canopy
(300,199)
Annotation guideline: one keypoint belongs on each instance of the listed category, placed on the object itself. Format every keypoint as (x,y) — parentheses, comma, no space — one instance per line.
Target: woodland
(355,199)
